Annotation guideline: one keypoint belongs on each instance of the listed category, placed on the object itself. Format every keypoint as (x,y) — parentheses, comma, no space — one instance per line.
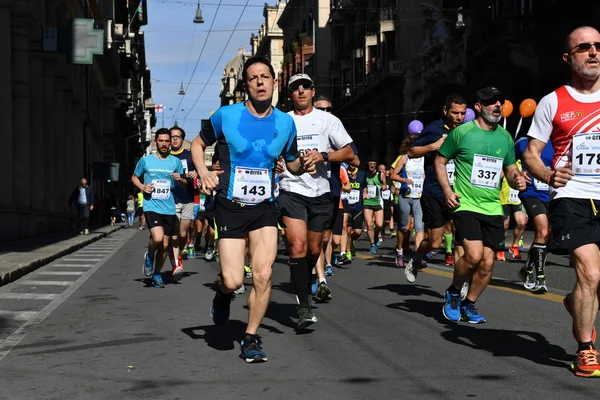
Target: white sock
(322,280)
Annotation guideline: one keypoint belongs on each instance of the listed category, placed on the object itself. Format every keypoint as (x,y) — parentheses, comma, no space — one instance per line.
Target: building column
(21,130)
(8,213)
(40,158)
(49,115)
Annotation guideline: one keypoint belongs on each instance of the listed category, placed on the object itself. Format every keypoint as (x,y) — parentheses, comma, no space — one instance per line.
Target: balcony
(390,69)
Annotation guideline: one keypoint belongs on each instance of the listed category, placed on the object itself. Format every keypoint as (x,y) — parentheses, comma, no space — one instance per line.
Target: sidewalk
(21,257)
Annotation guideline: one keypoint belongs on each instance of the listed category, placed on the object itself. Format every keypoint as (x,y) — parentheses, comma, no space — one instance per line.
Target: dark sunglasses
(294,87)
(493,100)
(327,109)
(586,46)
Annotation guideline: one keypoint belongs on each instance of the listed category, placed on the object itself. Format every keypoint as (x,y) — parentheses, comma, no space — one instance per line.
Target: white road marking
(28,296)
(46,283)
(61,273)
(73,265)
(19,315)
(81,259)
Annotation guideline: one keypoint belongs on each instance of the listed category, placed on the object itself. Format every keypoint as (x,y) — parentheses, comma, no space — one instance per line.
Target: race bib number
(416,188)
(486,171)
(202,205)
(371,191)
(513,196)
(586,154)
(308,141)
(162,189)
(450,170)
(185,166)
(540,186)
(386,194)
(251,185)
(353,196)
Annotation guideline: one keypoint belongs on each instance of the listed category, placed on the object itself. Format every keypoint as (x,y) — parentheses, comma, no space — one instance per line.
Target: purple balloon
(415,126)
(469,115)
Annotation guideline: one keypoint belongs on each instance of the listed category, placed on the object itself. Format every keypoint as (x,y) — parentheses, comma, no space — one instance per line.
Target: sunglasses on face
(489,102)
(294,87)
(586,46)
(327,109)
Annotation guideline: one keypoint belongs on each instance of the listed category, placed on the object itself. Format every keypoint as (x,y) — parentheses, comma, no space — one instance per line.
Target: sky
(174,48)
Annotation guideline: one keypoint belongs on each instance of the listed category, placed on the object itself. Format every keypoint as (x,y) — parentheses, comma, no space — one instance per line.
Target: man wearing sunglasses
(569,119)
(482,150)
(305,201)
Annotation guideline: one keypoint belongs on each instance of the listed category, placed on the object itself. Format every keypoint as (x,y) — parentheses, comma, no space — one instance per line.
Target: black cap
(488,93)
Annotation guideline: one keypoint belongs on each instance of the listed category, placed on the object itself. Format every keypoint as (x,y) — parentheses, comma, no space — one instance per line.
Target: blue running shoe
(251,350)
(191,252)
(148,266)
(157,281)
(373,249)
(470,314)
(313,288)
(451,309)
(379,243)
(219,311)
(329,270)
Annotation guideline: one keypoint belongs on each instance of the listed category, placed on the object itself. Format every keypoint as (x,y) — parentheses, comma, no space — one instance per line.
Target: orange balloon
(527,108)
(507,109)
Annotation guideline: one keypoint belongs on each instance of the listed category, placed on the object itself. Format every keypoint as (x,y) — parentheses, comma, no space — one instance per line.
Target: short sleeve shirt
(157,171)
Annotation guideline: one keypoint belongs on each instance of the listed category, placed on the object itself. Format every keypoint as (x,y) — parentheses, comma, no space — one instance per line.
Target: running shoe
(521,244)
(240,290)
(516,254)
(191,252)
(373,249)
(184,254)
(352,249)
(210,253)
(586,363)
(567,303)
(86,231)
(464,290)
(379,242)
(393,234)
(251,350)
(248,271)
(527,277)
(219,310)
(449,259)
(323,292)
(343,259)
(313,289)
(329,270)
(410,272)
(423,264)
(334,260)
(451,309)
(177,271)
(399,258)
(349,256)
(148,266)
(429,256)
(470,314)
(500,256)
(157,281)
(305,317)
(540,285)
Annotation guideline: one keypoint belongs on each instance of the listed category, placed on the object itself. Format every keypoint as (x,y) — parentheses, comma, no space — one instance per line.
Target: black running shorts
(534,207)
(573,224)
(435,212)
(169,223)
(474,226)
(357,219)
(317,212)
(236,220)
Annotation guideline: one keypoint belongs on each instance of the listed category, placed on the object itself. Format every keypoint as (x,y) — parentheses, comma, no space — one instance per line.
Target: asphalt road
(87,326)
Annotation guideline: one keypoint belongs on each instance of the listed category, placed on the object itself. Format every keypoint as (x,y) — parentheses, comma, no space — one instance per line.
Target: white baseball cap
(300,77)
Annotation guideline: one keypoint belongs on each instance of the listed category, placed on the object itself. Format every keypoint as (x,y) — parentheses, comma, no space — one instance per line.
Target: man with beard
(160,172)
(569,119)
(481,150)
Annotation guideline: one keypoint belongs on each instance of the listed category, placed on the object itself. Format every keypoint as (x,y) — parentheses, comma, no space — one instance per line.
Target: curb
(12,276)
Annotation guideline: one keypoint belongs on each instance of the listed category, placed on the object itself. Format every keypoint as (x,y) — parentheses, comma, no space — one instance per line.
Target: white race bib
(371,191)
(185,166)
(540,186)
(416,188)
(586,154)
(202,205)
(308,141)
(162,189)
(353,196)
(450,170)
(251,185)
(344,195)
(486,171)
(386,194)
(513,196)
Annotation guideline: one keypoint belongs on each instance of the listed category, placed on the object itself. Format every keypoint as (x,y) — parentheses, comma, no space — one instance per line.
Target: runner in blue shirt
(536,199)
(250,138)
(160,172)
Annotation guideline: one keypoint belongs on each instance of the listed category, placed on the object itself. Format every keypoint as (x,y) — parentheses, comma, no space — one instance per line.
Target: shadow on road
(223,338)
(409,290)
(431,309)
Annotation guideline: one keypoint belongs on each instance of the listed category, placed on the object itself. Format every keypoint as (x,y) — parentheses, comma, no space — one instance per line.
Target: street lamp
(181,90)
(460,22)
(198,19)
(348,93)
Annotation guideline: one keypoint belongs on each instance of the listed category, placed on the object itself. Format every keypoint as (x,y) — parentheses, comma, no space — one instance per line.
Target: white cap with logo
(300,77)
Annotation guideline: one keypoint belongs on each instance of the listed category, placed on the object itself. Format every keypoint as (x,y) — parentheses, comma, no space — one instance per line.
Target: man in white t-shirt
(569,118)
(305,202)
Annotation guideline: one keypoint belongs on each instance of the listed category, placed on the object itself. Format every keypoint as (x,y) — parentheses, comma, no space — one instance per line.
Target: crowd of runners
(455,186)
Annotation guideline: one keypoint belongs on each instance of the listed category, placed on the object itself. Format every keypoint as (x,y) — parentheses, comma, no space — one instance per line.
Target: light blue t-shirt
(152,169)
(82,197)
(248,148)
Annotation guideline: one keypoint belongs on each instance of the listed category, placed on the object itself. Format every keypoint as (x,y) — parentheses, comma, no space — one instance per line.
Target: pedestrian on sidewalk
(130,210)
(83,196)
(114,209)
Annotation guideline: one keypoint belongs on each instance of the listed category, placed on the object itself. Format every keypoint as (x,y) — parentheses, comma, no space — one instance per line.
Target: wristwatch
(325,156)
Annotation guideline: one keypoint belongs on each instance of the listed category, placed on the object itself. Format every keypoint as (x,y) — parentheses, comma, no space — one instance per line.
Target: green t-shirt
(373,187)
(479,157)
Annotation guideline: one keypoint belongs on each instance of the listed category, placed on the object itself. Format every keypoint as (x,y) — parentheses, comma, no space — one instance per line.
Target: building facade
(61,118)
(232,86)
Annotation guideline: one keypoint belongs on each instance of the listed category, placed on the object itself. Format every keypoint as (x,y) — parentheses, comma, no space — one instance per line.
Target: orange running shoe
(586,363)
(500,256)
(516,253)
(567,303)
(177,270)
